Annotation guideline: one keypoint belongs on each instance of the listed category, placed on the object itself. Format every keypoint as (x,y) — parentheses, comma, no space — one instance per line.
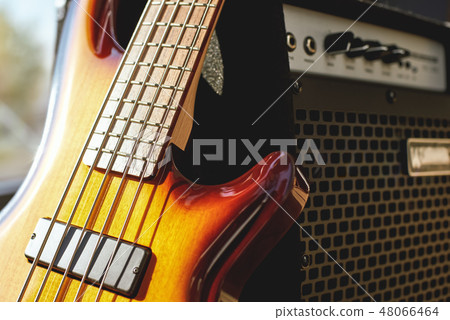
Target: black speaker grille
(388,230)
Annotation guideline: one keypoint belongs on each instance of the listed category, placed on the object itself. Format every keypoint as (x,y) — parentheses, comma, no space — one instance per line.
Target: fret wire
(138,121)
(165,45)
(125,173)
(131,138)
(171,67)
(187,58)
(213,6)
(148,84)
(164,86)
(169,3)
(143,172)
(153,142)
(165,24)
(127,155)
(197,26)
(136,196)
(97,158)
(157,105)
(112,134)
(156,65)
(121,118)
(190,48)
(157,125)
(171,46)
(190,51)
(59,207)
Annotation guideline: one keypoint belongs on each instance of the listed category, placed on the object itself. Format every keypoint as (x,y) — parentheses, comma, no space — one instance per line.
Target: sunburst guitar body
(95,195)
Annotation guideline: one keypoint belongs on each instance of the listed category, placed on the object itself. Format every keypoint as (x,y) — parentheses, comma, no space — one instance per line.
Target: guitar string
(121,140)
(132,152)
(80,296)
(189,14)
(74,173)
(110,262)
(153,223)
(111,162)
(115,41)
(148,115)
(49,270)
(88,139)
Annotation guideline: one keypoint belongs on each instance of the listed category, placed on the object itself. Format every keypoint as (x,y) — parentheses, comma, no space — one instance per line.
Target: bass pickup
(126,270)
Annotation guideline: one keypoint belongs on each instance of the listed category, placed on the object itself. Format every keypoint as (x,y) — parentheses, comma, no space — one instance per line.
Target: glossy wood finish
(194,231)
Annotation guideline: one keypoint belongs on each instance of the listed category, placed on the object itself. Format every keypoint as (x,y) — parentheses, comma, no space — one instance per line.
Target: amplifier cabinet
(367,215)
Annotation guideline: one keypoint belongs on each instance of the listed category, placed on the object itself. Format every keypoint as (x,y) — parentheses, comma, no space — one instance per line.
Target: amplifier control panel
(327,45)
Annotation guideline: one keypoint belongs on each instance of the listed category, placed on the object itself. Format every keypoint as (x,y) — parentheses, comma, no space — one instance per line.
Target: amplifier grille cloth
(388,230)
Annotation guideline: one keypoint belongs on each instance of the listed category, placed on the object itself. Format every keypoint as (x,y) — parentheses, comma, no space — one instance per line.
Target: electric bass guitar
(104,215)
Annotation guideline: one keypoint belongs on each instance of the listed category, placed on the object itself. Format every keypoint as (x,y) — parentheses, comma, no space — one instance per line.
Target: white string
(68,186)
(142,130)
(37,259)
(141,181)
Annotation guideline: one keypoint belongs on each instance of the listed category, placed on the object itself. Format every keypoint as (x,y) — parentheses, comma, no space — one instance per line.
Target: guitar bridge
(125,273)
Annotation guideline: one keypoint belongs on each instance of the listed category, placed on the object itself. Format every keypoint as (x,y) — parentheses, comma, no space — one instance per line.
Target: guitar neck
(152,86)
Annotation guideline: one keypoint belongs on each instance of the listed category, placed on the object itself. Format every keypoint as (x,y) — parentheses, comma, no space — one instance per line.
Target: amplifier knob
(395,54)
(358,48)
(376,51)
(337,43)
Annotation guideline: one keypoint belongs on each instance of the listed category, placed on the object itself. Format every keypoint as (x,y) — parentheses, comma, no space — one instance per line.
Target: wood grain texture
(182,223)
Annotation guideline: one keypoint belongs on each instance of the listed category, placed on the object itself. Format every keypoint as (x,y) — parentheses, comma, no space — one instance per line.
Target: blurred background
(27,45)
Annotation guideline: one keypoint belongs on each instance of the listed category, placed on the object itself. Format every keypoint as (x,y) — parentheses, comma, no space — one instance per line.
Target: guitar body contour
(205,240)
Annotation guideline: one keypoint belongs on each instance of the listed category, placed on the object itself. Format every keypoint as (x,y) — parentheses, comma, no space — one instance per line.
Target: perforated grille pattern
(389,231)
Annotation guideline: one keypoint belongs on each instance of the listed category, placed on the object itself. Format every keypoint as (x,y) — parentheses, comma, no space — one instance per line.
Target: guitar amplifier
(372,93)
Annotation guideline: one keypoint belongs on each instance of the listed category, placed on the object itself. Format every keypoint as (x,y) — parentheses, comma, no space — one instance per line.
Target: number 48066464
(409,311)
